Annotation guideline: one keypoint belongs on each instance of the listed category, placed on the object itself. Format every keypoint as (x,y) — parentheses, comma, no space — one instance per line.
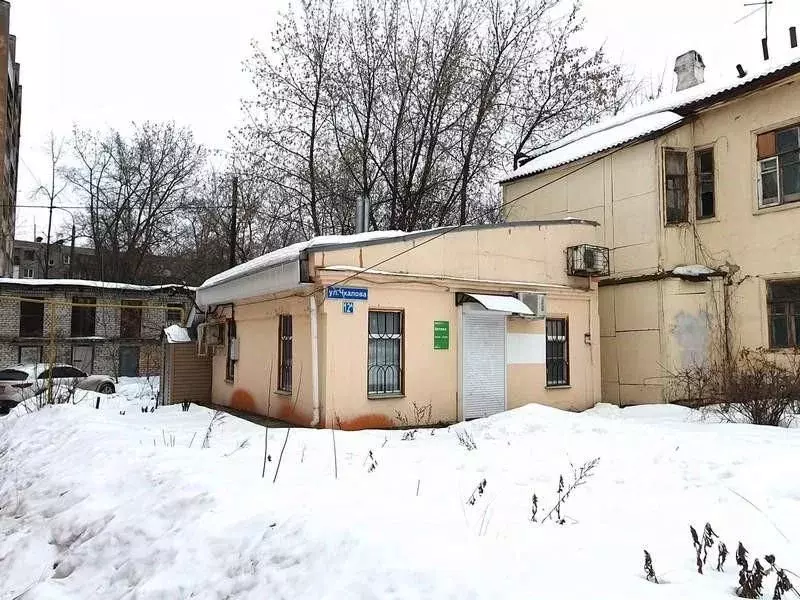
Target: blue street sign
(348,308)
(347,293)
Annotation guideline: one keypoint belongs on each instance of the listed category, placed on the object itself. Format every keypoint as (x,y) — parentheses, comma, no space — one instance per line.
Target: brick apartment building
(105,328)
(10,114)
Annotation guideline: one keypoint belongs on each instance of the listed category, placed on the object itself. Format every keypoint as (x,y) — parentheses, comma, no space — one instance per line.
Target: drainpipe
(312,305)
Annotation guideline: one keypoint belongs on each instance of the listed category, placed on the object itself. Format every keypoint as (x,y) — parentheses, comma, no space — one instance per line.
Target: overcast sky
(99,63)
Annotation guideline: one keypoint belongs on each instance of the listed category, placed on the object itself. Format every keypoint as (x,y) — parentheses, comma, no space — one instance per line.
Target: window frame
(774,155)
(78,304)
(790,314)
(710,177)
(91,356)
(28,273)
(26,347)
(565,380)
(172,308)
(135,351)
(761,171)
(31,332)
(285,346)
(399,389)
(684,187)
(66,372)
(130,319)
(65,259)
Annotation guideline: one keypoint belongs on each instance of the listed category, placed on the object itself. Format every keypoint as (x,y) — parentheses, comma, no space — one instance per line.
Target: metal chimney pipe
(365,213)
(360,214)
(740,70)
(793,36)
(765,48)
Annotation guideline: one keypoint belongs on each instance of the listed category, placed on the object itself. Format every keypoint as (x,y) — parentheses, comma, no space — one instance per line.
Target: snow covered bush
(722,554)
(216,420)
(465,439)
(649,570)
(701,546)
(750,578)
(420,416)
(477,492)
(755,386)
(580,476)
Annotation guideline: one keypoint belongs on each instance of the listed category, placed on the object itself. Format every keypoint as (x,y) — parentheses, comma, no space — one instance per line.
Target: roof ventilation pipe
(740,70)
(362,214)
(793,36)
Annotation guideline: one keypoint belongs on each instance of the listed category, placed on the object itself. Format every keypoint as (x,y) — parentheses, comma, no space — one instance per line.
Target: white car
(24,381)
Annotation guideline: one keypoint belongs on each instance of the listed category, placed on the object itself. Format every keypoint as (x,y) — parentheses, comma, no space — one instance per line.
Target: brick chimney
(690,69)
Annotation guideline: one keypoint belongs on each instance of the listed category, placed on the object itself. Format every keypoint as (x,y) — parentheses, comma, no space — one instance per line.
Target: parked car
(20,382)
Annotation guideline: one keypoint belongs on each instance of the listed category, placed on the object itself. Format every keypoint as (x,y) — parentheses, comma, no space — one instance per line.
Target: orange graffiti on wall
(292,415)
(372,421)
(243,400)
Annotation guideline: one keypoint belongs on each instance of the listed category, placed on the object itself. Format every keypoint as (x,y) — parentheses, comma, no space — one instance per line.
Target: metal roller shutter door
(483,373)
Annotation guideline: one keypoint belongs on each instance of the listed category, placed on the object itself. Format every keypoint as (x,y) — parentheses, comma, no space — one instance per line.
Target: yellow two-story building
(698,198)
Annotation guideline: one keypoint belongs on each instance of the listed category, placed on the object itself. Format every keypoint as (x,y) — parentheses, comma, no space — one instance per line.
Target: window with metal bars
(557,352)
(385,353)
(285,353)
(783,302)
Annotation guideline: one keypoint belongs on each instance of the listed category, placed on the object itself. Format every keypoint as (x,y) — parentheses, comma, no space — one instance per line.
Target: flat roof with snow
(280,270)
(86,283)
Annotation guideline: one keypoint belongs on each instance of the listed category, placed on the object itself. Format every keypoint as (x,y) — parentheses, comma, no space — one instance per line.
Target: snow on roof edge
(668,103)
(108,285)
(293,252)
(175,334)
(597,142)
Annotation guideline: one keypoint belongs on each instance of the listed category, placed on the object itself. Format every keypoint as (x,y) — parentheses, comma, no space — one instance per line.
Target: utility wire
(445,230)
(451,228)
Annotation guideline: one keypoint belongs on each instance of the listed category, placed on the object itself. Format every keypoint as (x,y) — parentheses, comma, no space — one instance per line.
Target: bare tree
(135,189)
(289,118)
(562,86)
(418,106)
(50,191)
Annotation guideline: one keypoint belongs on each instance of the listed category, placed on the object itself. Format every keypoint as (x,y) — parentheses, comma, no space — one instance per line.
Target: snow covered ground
(101,504)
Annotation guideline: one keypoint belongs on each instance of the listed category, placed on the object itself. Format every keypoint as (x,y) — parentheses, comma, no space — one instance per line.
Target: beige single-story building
(388,328)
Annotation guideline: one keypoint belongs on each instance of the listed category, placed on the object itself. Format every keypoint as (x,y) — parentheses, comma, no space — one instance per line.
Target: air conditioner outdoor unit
(536,302)
(587,260)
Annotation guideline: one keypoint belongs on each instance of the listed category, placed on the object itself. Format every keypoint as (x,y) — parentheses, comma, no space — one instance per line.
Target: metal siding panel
(484,364)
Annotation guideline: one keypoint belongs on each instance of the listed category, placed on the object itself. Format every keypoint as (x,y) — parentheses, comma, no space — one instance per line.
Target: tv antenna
(763,4)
